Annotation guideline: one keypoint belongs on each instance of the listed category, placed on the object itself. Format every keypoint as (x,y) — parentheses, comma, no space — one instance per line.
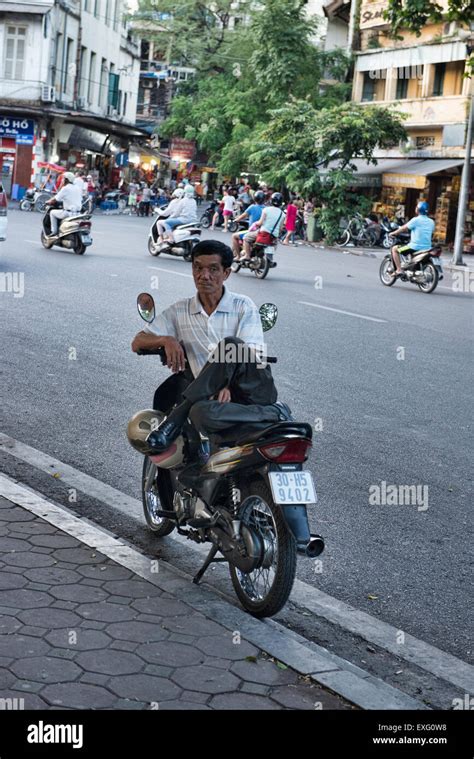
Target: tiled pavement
(78,631)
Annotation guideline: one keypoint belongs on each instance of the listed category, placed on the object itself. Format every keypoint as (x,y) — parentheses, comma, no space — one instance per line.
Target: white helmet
(189,191)
(178,193)
(69,176)
(140,426)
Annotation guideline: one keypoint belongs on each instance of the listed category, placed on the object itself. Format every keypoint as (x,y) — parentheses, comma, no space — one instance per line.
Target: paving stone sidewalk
(79,631)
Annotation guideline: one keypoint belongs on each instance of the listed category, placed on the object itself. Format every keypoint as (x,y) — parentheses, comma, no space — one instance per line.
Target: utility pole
(464,192)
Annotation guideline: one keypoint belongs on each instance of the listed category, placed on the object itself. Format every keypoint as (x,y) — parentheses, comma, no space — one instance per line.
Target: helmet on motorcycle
(140,426)
(276,199)
(69,177)
(259,197)
(423,208)
(189,191)
(178,193)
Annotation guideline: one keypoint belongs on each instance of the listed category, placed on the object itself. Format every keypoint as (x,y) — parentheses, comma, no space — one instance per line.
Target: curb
(308,659)
(375,253)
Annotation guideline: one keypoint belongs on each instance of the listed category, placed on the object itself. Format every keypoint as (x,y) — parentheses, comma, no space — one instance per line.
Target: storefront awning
(369,174)
(414,173)
(37,8)
(411,56)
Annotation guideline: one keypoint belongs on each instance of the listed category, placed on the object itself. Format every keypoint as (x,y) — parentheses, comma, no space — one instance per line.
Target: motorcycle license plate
(86,239)
(269,250)
(292,487)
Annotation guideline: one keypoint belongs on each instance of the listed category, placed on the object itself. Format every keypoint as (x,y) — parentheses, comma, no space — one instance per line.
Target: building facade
(70,76)
(423,78)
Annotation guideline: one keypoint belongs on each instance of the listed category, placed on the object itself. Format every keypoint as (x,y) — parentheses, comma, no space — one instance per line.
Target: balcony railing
(450,109)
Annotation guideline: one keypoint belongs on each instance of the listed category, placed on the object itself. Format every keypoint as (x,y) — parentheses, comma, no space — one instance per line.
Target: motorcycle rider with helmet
(253,213)
(271,221)
(421,228)
(70,196)
(184,213)
(170,212)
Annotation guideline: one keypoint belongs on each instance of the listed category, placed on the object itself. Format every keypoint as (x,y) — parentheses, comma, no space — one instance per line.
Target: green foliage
(311,152)
(413,15)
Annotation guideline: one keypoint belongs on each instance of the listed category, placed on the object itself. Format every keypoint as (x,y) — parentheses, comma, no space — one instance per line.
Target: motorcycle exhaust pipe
(313,548)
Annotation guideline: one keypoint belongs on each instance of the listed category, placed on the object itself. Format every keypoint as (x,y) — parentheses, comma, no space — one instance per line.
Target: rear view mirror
(146,307)
(268,315)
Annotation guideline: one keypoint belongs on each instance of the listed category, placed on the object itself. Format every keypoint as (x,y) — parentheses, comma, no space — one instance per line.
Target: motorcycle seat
(242,434)
(189,225)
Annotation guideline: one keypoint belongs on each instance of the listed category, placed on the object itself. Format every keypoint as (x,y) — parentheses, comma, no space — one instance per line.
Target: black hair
(214,248)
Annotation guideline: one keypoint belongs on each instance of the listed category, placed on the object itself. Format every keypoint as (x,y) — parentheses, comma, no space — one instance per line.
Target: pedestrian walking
(290,225)
(229,205)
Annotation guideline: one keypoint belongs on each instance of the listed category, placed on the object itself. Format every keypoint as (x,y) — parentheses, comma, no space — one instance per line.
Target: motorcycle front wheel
(151,248)
(40,204)
(205,221)
(265,591)
(232,226)
(343,239)
(235,266)
(430,273)
(152,502)
(45,242)
(25,205)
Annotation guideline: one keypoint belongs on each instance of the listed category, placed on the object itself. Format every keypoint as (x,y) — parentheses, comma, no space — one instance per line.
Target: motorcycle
(35,200)
(246,493)
(185,237)
(359,231)
(387,226)
(74,232)
(422,268)
(260,262)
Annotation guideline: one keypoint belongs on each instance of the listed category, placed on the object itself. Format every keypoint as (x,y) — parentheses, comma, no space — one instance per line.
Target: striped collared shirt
(235,316)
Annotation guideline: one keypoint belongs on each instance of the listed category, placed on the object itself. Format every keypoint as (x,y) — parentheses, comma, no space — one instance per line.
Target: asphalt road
(390,394)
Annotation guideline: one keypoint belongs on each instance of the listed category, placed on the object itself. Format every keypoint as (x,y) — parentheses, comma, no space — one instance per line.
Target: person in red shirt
(291,211)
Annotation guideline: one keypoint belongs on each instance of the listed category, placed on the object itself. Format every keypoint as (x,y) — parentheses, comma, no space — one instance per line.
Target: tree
(413,15)
(268,62)
(312,152)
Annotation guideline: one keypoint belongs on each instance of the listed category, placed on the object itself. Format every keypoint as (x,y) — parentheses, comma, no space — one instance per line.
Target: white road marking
(418,652)
(346,313)
(34,242)
(171,271)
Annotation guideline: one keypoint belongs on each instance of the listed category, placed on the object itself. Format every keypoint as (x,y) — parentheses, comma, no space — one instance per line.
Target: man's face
(209,275)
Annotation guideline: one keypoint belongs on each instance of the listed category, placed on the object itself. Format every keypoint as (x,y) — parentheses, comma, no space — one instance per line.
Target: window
(438,84)
(68,77)
(425,141)
(107,12)
(402,86)
(92,75)
(82,71)
(368,89)
(113,97)
(104,70)
(97,8)
(125,104)
(15,39)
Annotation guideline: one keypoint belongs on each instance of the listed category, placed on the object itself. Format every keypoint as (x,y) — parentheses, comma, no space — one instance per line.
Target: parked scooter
(386,227)
(35,200)
(423,268)
(74,232)
(185,237)
(245,492)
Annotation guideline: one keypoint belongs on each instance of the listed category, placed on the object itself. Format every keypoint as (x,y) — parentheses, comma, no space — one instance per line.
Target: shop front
(17,154)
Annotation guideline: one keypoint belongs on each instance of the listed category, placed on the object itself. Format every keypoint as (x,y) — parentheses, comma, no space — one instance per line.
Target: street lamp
(466,172)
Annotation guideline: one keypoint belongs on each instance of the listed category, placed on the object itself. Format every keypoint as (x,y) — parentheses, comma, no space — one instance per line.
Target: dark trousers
(250,383)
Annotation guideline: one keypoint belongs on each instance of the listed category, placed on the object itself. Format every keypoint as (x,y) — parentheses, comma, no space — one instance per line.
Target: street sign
(22,130)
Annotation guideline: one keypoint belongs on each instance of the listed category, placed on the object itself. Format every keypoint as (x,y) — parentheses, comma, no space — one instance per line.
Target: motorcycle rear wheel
(232,226)
(25,205)
(265,591)
(430,286)
(205,221)
(263,269)
(152,503)
(235,266)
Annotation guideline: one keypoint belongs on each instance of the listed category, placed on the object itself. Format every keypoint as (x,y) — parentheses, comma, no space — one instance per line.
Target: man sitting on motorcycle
(421,228)
(184,213)
(253,213)
(70,196)
(228,382)
(271,221)
(169,212)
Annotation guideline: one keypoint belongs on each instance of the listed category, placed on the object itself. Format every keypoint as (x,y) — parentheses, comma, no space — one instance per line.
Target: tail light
(436,252)
(3,204)
(286,451)
(85,224)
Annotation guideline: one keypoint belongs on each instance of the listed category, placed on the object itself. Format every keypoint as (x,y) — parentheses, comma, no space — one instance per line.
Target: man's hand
(224,395)
(175,358)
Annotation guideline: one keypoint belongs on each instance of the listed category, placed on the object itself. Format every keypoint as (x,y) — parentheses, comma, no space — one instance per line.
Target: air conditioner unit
(82,102)
(48,93)
(147,84)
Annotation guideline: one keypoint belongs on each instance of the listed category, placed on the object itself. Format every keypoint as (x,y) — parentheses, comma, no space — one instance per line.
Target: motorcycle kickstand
(209,560)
